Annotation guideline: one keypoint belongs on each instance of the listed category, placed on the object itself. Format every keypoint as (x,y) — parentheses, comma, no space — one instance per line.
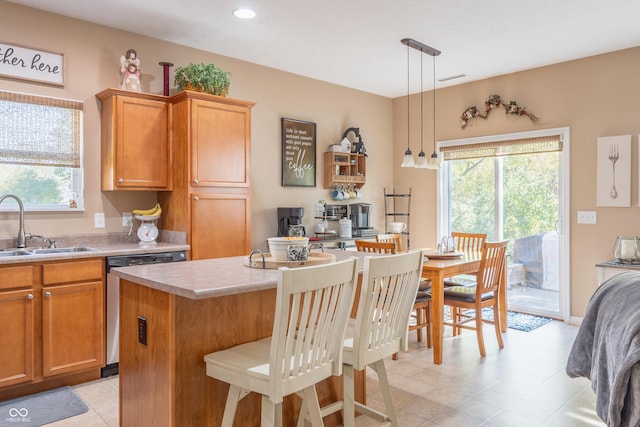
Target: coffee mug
(397,227)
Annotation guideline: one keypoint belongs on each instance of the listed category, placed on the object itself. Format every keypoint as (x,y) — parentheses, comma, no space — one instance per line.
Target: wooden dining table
(447,266)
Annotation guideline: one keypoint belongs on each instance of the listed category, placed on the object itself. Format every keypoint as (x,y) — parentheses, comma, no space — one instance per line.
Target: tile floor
(522,385)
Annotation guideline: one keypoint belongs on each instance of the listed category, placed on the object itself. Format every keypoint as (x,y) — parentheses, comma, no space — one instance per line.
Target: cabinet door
(221,225)
(141,144)
(220,144)
(72,327)
(16,337)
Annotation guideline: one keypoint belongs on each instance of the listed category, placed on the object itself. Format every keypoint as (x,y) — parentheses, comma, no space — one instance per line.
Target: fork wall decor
(614,171)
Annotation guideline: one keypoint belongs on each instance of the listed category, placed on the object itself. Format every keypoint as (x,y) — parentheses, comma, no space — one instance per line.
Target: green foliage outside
(35,185)
(530,195)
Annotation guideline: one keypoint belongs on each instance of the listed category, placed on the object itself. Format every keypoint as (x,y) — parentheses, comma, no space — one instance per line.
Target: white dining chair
(380,329)
(312,308)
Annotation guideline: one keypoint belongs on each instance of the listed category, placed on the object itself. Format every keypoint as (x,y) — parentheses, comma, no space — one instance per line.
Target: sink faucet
(22,241)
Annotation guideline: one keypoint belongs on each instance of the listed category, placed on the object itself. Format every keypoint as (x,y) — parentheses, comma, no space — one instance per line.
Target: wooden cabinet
(52,317)
(72,316)
(17,320)
(344,168)
(135,141)
(210,197)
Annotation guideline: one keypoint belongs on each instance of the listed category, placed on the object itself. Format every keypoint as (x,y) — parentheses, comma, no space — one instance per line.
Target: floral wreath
(492,102)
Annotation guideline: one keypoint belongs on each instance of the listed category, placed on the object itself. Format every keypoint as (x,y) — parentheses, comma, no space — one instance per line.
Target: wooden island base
(163,383)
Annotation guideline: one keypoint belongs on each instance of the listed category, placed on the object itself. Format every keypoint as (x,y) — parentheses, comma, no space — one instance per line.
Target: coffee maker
(288,218)
(360,214)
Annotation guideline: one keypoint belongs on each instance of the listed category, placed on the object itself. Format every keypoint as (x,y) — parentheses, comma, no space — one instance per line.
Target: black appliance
(113,298)
(288,218)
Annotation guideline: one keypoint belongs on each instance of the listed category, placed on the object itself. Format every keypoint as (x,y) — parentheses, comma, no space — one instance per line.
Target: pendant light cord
(408,92)
(421,109)
(434,104)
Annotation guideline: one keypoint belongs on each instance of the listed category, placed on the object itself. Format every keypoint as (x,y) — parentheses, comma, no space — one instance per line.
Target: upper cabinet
(135,141)
(217,132)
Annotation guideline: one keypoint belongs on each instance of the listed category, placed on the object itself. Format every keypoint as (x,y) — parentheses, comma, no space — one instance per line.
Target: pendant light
(407,160)
(422,162)
(433,162)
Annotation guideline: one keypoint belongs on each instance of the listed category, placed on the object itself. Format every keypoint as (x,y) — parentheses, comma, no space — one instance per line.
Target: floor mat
(41,408)
(519,321)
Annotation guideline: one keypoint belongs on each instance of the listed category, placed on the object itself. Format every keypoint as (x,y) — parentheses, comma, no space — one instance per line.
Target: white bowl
(278,246)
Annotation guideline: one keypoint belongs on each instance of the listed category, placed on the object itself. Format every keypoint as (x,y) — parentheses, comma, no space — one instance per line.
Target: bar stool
(312,308)
(389,287)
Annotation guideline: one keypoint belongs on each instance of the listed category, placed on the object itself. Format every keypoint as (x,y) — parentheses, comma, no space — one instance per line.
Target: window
(40,151)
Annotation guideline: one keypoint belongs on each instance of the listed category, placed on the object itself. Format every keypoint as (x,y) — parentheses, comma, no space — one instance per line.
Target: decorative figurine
(130,66)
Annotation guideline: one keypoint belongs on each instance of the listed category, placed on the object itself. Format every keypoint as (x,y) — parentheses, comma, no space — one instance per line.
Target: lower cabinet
(16,336)
(52,317)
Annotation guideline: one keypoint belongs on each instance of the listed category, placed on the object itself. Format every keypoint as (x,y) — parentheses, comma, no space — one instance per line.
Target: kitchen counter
(101,250)
(187,310)
(210,278)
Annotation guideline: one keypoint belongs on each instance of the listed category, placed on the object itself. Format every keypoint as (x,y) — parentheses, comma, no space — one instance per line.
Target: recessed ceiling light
(244,13)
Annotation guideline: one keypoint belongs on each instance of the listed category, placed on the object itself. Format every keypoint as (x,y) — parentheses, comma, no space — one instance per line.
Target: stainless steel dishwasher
(113,298)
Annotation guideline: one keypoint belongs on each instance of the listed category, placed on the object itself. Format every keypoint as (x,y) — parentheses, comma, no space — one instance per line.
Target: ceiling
(356,43)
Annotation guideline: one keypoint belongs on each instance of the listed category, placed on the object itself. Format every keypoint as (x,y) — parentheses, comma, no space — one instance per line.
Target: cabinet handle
(29,296)
(47,294)
(196,181)
(120,181)
(196,198)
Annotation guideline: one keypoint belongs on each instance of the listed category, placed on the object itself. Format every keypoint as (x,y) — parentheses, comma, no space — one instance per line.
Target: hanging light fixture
(434,161)
(422,162)
(407,160)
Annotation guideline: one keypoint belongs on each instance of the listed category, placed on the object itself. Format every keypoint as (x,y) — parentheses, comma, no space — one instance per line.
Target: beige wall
(92,64)
(596,96)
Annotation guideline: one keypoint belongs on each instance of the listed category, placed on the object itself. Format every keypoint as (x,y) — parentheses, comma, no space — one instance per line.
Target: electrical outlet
(127,219)
(142,330)
(98,220)
(587,217)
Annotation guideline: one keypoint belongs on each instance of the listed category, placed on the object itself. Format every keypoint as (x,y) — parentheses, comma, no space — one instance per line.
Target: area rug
(42,408)
(519,321)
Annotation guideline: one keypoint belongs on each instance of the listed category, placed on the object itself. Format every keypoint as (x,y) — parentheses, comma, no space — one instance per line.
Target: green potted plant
(202,78)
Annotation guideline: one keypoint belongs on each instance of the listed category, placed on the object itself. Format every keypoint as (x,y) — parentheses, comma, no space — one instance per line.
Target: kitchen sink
(62,250)
(14,252)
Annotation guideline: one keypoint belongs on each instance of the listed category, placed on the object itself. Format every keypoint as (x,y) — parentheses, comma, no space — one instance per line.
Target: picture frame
(298,153)
(614,171)
(27,63)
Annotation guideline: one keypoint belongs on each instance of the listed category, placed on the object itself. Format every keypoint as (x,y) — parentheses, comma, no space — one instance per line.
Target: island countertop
(210,278)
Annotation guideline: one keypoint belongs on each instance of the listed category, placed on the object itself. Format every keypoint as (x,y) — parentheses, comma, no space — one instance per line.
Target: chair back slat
(492,265)
(377,247)
(389,288)
(469,242)
(312,308)
(395,238)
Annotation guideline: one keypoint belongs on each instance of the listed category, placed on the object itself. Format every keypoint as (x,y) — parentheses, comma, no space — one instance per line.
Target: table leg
(437,314)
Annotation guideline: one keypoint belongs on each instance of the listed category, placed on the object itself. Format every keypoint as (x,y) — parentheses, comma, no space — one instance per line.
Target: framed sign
(298,153)
(21,62)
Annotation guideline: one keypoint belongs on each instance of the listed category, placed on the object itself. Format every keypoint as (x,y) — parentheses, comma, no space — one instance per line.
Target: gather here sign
(22,62)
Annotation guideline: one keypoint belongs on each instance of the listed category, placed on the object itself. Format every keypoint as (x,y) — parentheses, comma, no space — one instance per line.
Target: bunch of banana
(154,211)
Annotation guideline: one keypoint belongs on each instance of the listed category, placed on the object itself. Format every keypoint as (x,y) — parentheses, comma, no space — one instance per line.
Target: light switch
(587,217)
(98,220)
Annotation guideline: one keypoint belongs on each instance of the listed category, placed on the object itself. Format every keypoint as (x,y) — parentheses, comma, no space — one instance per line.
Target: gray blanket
(607,350)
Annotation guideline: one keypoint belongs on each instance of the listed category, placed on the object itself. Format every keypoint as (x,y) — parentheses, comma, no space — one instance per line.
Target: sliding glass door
(512,190)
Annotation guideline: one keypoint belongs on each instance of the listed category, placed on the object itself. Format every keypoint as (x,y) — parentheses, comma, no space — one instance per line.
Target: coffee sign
(25,63)
(298,153)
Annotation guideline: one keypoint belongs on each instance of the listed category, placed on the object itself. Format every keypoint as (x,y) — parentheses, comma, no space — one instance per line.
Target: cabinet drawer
(16,277)
(74,271)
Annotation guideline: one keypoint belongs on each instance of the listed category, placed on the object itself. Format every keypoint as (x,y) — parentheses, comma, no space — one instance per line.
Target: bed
(607,350)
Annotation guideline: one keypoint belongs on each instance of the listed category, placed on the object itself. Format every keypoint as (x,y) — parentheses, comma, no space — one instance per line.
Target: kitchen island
(172,315)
